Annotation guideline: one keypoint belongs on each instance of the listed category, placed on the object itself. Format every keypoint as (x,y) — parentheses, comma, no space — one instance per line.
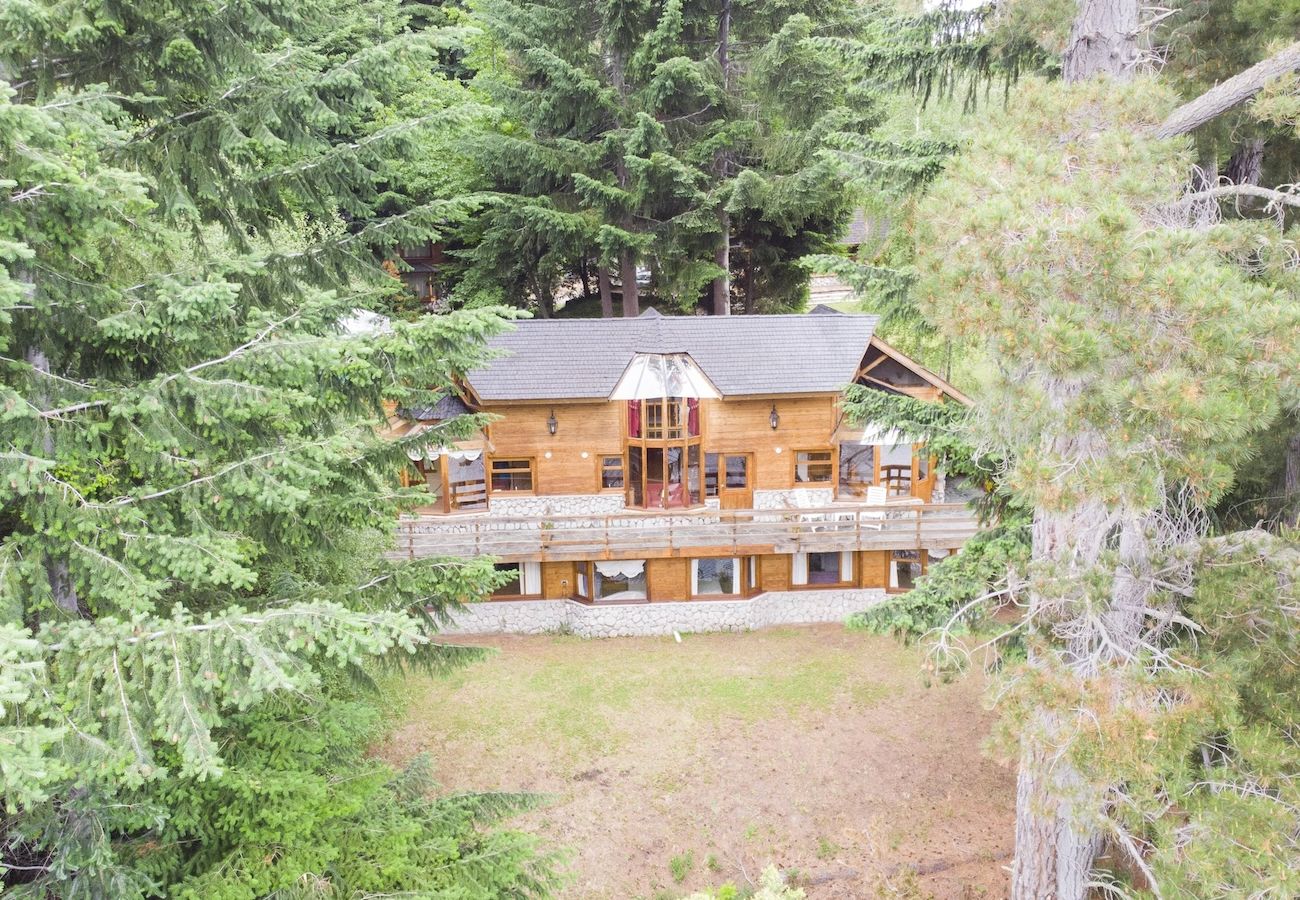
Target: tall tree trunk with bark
(631,294)
(722,255)
(1057,811)
(749,283)
(1291,481)
(606,292)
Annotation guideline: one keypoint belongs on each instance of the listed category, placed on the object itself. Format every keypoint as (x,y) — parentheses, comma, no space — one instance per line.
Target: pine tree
(195,496)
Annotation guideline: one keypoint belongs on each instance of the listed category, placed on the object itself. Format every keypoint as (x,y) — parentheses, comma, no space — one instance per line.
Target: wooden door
(736,480)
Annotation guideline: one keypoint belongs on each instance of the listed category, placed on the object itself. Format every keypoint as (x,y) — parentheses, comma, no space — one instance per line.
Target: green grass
(681,865)
(576,698)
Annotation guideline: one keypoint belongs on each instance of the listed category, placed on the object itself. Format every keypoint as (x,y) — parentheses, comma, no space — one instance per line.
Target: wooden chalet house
(664,459)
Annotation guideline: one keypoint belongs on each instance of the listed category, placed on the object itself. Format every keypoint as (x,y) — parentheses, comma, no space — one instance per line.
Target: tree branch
(1273,196)
(1233,92)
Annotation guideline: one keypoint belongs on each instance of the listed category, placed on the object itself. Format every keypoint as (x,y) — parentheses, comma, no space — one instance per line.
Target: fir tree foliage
(632,138)
(194,498)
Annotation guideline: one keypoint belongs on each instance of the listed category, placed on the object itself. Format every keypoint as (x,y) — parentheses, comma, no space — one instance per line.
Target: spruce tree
(195,497)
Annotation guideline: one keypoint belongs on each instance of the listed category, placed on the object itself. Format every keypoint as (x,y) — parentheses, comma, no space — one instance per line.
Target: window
(812,466)
(611,472)
(713,577)
(524,580)
(857,468)
(905,566)
(820,569)
(431,469)
(620,579)
(711,474)
(737,469)
(512,475)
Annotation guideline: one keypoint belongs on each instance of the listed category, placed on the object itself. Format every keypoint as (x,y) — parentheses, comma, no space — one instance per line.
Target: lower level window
(822,568)
(715,577)
(523,579)
(905,567)
(619,579)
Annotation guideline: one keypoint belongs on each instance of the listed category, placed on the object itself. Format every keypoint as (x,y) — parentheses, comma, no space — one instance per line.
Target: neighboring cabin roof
(448,406)
(571,359)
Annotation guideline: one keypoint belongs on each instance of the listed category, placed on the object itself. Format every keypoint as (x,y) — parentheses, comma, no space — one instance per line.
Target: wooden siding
(668,579)
(559,580)
(593,428)
(873,568)
(774,573)
(806,423)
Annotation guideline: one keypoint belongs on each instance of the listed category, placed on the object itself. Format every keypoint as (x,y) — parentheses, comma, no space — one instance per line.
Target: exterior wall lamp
(773,419)
(553,426)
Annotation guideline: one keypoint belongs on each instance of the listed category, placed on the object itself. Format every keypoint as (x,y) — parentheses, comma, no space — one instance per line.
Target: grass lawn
(673,767)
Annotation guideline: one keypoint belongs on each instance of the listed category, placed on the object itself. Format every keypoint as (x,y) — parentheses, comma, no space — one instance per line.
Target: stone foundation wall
(794,498)
(559,505)
(618,620)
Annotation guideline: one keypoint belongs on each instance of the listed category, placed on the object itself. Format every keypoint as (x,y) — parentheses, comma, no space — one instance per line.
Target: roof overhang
(920,371)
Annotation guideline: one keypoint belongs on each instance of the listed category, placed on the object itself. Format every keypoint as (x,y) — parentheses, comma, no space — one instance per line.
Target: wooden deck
(895,526)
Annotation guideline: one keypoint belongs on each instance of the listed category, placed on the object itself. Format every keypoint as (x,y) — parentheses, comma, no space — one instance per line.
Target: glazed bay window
(716,577)
(813,467)
(524,580)
(822,569)
(663,453)
(510,475)
(857,468)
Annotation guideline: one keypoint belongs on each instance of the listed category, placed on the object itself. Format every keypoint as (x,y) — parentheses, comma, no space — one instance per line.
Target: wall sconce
(551,424)
(772,418)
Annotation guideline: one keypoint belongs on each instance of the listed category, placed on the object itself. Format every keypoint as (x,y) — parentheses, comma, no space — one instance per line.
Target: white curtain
(530,578)
(893,572)
(695,577)
(846,565)
(467,455)
(799,570)
(621,568)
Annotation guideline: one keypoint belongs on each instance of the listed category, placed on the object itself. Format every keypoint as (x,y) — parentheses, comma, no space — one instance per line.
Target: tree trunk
(722,258)
(1246,164)
(584,272)
(749,284)
(1103,41)
(631,293)
(62,590)
(1056,840)
(1291,481)
(722,255)
(606,294)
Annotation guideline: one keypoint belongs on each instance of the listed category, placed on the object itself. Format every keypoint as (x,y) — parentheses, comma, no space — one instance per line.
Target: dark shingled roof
(448,407)
(563,359)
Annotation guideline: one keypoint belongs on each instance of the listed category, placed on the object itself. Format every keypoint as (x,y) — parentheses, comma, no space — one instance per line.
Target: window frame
(601,467)
(532,474)
(523,580)
(830,463)
(855,571)
(923,557)
(740,577)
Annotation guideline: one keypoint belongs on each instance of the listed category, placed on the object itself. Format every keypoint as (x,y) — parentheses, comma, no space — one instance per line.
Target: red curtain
(634,418)
(692,416)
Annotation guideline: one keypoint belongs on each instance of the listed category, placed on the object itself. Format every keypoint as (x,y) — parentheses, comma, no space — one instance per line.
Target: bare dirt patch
(678,766)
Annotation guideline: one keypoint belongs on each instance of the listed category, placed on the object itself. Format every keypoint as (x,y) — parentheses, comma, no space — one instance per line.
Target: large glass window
(466,482)
(663,469)
(737,471)
(812,466)
(711,474)
(636,476)
(857,468)
(896,469)
(622,579)
(710,577)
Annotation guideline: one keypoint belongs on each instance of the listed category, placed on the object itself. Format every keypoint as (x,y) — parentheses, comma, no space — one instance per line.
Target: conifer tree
(702,141)
(193,494)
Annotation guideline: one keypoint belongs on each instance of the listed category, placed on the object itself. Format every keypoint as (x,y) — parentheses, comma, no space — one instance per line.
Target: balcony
(651,535)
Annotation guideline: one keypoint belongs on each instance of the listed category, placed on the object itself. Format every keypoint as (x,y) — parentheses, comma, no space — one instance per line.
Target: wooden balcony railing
(894,526)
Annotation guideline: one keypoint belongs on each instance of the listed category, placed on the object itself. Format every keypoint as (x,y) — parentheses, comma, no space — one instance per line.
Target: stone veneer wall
(559,505)
(625,619)
(794,498)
